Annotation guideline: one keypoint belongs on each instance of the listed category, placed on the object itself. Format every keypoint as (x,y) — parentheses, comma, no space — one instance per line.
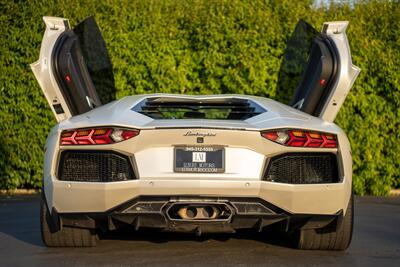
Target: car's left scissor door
(72,66)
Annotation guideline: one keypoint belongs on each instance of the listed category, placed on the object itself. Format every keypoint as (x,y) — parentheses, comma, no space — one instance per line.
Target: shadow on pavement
(20,218)
(269,236)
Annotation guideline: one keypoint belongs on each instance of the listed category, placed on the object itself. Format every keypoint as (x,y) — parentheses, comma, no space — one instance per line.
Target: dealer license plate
(199,159)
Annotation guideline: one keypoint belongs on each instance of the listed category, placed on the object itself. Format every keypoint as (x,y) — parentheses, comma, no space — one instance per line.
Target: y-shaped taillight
(301,138)
(96,136)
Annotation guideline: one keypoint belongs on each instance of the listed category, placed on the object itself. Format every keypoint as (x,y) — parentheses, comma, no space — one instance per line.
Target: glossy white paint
(152,150)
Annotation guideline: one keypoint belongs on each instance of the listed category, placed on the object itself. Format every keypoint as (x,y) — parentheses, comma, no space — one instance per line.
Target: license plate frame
(211,151)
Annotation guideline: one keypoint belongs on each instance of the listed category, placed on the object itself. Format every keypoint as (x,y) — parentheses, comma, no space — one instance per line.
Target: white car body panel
(151,153)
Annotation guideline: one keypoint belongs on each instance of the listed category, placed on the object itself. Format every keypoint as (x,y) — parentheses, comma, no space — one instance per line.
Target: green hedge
(204,47)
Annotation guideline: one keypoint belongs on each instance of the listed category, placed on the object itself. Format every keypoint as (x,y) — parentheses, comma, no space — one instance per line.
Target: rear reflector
(301,138)
(96,136)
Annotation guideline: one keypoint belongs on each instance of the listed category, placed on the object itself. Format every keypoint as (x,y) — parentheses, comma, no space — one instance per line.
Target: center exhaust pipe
(199,213)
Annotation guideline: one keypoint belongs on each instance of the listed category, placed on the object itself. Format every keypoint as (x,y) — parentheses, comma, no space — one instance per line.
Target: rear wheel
(331,237)
(67,236)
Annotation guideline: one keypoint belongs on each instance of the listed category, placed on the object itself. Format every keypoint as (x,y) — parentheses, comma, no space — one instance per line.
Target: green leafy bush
(204,47)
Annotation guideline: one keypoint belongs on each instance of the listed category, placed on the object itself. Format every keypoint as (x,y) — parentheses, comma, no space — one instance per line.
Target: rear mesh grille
(303,168)
(94,166)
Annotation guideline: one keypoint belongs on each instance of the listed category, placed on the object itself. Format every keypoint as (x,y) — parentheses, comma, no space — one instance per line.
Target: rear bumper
(155,211)
(79,197)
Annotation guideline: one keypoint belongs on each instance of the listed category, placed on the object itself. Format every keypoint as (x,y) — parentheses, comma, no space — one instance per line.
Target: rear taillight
(301,138)
(96,136)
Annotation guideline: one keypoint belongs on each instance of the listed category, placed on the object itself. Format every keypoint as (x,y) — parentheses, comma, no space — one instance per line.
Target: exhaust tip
(188,213)
(210,212)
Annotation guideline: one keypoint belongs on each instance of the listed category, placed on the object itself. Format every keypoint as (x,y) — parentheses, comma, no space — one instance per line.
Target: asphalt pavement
(376,242)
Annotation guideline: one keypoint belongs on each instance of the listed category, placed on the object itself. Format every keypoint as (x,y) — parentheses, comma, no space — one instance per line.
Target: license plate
(199,159)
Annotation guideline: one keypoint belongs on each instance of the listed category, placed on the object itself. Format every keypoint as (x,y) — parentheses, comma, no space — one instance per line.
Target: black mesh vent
(94,166)
(229,108)
(303,168)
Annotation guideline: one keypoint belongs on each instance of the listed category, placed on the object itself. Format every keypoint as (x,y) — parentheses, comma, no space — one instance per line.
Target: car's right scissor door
(318,65)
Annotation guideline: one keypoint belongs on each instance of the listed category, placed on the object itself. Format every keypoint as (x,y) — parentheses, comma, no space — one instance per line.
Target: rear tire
(330,237)
(67,236)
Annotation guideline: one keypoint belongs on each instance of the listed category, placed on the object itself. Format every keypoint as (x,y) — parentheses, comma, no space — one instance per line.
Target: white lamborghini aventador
(195,163)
